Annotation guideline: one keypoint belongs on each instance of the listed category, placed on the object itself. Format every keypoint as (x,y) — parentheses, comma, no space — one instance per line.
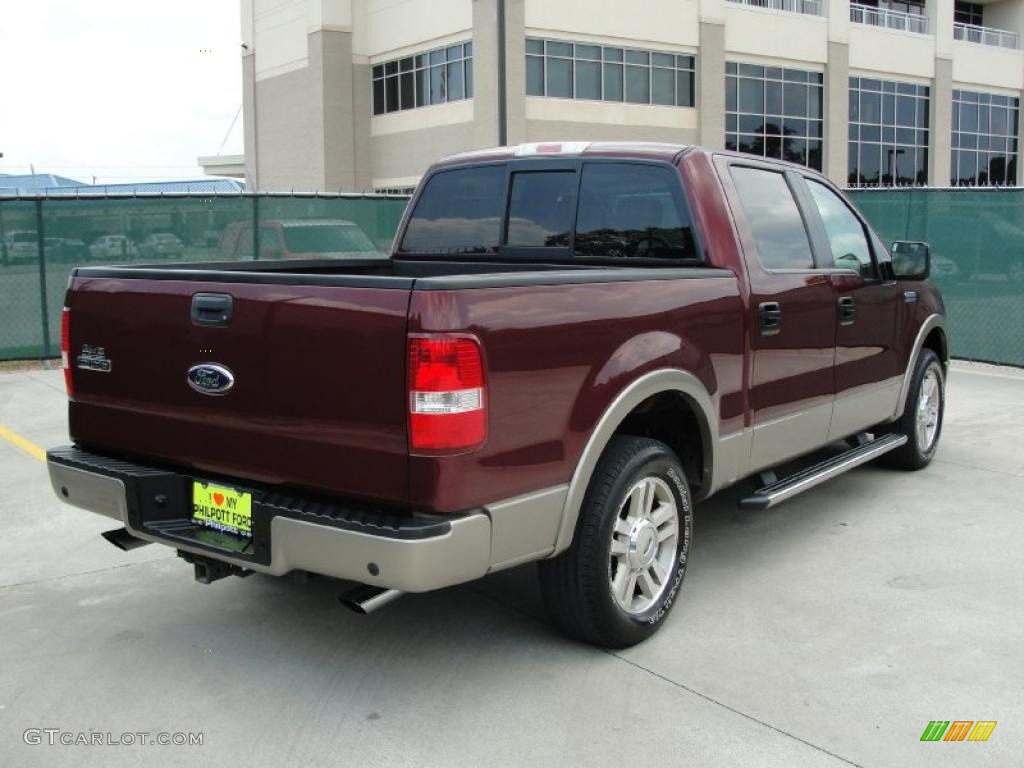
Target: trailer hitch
(208,570)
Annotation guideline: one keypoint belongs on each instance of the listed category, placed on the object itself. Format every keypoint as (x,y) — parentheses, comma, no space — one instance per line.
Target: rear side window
(632,210)
(541,209)
(774,219)
(459,211)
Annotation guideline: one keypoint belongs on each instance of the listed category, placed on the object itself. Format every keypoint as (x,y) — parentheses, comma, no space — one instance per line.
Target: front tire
(922,416)
(620,578)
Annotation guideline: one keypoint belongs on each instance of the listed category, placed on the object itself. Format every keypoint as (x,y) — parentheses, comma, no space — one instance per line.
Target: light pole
(3,237)
(893,153)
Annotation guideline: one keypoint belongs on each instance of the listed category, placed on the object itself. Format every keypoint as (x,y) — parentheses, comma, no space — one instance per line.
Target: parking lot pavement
(826,632)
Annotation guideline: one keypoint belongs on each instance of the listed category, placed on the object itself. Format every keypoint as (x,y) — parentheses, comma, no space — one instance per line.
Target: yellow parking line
(27,446)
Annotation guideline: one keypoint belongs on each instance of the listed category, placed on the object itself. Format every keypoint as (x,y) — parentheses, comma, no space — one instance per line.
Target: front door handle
(847,310)
(769,316)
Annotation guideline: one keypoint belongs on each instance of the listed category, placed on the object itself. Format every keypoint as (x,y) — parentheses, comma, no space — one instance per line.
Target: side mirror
(911,260)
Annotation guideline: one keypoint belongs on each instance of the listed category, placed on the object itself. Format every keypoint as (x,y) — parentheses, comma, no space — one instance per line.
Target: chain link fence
(43,238)
(977,239)
(977,245)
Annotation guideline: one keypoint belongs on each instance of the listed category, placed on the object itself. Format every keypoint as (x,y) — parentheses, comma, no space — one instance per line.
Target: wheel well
(936,341)
(673,419)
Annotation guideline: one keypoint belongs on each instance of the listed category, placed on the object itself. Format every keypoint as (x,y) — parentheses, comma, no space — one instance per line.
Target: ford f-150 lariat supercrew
(568,346)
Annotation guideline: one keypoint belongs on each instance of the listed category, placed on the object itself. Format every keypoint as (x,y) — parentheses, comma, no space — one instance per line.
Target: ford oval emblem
(210,379)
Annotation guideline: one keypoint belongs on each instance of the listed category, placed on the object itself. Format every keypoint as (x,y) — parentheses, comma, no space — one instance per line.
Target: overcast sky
(118,89)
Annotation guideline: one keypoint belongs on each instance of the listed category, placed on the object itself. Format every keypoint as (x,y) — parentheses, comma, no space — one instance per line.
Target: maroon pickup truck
(569,346)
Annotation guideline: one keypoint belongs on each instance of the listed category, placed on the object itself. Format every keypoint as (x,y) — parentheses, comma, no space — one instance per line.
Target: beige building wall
(307,95)
(651,23)
(665,25)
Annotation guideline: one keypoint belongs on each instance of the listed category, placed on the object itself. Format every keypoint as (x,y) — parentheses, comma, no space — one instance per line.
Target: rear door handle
(214,309)
(769,315)
(847,310)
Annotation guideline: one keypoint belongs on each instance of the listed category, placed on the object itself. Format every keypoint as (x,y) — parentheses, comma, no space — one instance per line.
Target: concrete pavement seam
(84,573)
(1016,376)
(59,390)
(735,711)
(979,469)
(651,672)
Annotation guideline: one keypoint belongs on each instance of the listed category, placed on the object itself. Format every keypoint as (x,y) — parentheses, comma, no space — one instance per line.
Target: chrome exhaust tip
(364,599)
(123,540)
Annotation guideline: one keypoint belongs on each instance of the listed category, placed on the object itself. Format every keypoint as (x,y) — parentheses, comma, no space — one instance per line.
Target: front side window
(629,210)
(849,244)
(459,212)
(541,209)
(774,112)
(984,139)
(888,133)
(774,219)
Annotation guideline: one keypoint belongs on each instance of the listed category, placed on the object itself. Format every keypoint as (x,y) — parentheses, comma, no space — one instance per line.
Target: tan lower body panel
(502,535)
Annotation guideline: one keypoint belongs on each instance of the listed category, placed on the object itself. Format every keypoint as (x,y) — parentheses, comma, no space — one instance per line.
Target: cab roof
(633,149)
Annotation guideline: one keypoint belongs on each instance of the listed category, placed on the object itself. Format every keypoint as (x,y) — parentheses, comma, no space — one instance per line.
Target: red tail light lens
(65,350)
(447,394)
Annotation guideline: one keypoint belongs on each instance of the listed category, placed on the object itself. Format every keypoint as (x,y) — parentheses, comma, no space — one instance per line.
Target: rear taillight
(447,394)
(65,349)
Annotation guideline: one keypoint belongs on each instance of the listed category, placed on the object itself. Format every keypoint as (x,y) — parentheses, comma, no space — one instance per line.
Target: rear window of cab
(593,210)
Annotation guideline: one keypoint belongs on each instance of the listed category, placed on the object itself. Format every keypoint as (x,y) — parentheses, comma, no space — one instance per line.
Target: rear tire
(618,581)
(922,416)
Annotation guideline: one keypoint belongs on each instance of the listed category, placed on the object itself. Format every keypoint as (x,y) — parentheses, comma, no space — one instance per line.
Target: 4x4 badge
(94,359)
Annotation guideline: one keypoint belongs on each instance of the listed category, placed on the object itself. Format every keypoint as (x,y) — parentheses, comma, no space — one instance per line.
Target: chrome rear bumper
(455,551)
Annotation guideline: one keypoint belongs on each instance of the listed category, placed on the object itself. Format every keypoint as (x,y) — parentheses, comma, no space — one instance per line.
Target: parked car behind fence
(161,245)
(113,247)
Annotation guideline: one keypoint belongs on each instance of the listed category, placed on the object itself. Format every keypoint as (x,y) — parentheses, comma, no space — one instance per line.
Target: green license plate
(222,508)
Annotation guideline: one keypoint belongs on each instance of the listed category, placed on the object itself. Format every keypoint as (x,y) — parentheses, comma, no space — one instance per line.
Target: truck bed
(399,273)
(317,351)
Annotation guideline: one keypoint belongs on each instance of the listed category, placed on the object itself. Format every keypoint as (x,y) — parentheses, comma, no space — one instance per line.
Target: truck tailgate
(319,395)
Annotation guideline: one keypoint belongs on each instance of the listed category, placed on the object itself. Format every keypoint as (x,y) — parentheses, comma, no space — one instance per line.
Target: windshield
(328,238)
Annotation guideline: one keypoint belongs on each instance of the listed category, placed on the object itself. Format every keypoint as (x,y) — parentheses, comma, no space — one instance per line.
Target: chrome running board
(805,479)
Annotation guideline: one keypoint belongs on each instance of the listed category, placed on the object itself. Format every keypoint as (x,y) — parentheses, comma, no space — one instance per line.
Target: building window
(968,13)
(984,139)
(774,112)
(888,133)
(566,70)
(435,77)
(911,7)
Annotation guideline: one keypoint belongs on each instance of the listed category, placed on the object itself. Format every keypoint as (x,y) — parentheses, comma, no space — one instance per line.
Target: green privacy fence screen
(42,238)
(977,239)
(977,243)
